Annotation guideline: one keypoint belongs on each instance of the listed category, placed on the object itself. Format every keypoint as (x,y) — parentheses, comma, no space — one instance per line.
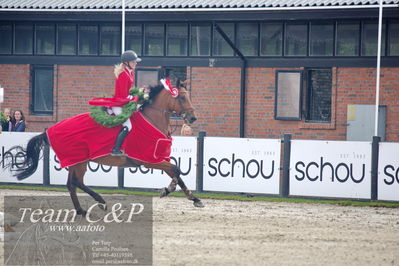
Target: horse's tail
(26,165)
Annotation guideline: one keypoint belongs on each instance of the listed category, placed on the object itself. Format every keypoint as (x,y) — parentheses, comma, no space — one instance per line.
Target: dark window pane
(66,44)
(110,40)
(319,95)
(133,36)
(321,39)
(220,46)
(23,39)
(394,38)
(200,40)
(6,38)
(247,38)
(271,39)
(347,39)
(296,39)
(43,90)
(370,39)
(88,40)
(45,39)
(154,39)
(177,35)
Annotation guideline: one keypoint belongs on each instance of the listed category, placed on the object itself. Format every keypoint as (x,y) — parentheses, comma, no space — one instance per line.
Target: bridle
(167,113)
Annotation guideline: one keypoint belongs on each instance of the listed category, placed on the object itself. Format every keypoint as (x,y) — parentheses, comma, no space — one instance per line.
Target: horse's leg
(72,190)
(78,182)
(174,172)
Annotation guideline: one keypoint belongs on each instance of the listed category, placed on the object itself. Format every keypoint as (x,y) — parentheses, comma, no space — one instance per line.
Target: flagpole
(377,87)
(123,27)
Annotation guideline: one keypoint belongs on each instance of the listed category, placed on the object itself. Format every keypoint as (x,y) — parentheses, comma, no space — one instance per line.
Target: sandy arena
(228,232)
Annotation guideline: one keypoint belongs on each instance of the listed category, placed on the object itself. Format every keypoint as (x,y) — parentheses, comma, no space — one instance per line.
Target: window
(23,39)
(146,77)
(133,37)
(394,38)
(175,73)
(347,39)
(321,39)
(66,39)
(42,89)
(200,39)
(271,39)
(110,40)
(176,39)
(6,38)
(296,36)
(247,38)
(154,39)
(318,95)
(370,39)
(288,95)
(220,46)
(45,39)
(88,39)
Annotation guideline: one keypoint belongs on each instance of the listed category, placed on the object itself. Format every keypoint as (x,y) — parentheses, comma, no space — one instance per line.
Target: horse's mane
(154,91)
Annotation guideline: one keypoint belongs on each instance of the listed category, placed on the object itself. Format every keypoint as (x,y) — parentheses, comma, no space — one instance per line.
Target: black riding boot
(116,151)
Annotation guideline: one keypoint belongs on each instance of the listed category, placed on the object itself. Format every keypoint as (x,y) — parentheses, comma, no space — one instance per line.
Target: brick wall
(215,94)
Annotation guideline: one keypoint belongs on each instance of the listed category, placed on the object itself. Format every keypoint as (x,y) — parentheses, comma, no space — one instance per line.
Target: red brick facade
(216,96)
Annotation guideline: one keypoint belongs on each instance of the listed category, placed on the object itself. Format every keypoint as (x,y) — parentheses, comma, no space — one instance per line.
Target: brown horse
(158,111)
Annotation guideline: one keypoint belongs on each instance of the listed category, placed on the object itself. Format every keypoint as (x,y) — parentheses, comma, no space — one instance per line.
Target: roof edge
(195,9)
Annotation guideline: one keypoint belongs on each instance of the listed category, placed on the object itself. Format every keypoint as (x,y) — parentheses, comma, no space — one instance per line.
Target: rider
(124,73)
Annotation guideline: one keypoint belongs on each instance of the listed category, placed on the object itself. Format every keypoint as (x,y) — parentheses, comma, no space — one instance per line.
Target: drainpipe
(243,78)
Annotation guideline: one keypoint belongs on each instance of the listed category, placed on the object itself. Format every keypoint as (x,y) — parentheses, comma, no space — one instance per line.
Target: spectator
(18,121)
(186,130)
(6,125)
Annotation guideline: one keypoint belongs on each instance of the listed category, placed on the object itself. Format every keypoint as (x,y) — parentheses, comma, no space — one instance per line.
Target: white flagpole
(377,87)
(123,27)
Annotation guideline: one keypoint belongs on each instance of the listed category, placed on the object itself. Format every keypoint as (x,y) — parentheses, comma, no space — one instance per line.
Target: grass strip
(244,197)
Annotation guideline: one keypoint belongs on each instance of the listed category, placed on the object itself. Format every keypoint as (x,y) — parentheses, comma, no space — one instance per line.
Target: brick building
(256,70)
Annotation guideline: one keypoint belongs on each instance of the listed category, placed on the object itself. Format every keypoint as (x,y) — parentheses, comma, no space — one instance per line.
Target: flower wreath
(100,115)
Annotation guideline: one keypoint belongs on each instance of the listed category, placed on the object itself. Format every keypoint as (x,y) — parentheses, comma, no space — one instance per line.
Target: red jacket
(123,84)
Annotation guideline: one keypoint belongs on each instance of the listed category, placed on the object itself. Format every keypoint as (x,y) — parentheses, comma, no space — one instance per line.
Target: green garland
(3,117)
(100,115)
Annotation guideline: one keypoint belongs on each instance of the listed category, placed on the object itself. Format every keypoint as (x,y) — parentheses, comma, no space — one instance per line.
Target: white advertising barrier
(184,155)
(242,165)
(96,174)
(388,171)
(330,169)
(8,140)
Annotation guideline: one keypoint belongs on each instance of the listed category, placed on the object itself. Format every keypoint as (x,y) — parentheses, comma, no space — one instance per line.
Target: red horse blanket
(80,138)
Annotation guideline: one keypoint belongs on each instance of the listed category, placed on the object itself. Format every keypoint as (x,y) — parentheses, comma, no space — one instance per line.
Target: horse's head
(180,103)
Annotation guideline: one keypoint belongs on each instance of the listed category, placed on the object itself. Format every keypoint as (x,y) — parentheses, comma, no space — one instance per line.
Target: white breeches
(118,111)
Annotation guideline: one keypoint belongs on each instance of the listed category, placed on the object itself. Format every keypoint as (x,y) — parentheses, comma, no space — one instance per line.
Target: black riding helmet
(130,55)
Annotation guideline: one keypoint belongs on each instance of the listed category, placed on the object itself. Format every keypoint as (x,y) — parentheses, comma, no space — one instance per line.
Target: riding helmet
(130,55)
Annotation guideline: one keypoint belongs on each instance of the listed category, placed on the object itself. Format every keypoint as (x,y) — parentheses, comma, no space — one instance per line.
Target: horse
(158,110)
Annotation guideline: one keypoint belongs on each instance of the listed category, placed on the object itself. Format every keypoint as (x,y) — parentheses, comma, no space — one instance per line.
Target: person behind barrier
(18,121)
(5,126)
(124,73)
(186,130)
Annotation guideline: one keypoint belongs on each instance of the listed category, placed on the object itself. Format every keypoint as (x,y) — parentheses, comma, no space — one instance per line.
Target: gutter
(243,78)
(207,9)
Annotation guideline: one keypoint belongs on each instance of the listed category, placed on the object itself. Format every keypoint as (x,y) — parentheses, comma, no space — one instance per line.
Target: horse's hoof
(102,206)
(164,192)
(199,204)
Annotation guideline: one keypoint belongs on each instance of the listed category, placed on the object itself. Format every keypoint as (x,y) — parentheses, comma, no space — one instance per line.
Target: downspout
(243,78)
